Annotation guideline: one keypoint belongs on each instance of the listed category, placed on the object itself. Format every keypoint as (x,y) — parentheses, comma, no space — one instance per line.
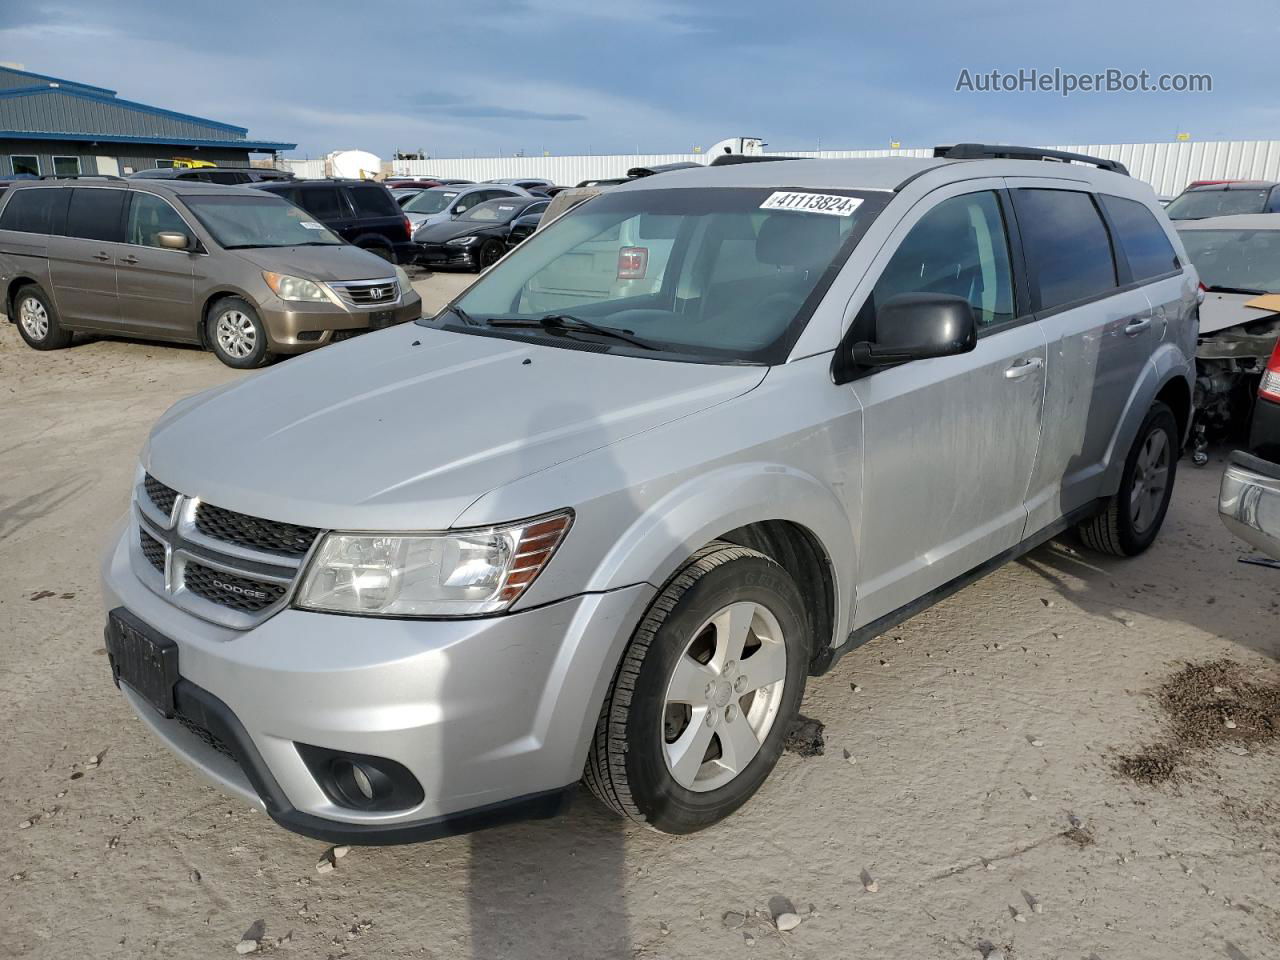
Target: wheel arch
(11,292)
(1165,377)
(206,309)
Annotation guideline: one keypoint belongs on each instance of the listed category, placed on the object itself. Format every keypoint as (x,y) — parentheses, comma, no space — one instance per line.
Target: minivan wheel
(38,321)
(236,335)
(695,718)
(1132,518)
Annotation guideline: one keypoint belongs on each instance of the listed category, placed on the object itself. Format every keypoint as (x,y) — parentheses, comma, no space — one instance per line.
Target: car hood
(418,219)
(1222,310)
(449,229)
(405,428)
(339,261)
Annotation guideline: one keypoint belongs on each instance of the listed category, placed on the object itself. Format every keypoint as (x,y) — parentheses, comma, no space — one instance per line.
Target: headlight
(402,279)
(461,573)
(461,241)
(293,288)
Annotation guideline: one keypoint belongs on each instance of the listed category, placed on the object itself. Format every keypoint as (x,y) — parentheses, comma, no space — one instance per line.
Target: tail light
(1270,386)
(633,263)
(408,229)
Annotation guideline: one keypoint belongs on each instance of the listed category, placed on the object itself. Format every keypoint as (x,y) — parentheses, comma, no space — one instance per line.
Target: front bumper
(443,255)
(493,716)
(297,327)
(1249,501)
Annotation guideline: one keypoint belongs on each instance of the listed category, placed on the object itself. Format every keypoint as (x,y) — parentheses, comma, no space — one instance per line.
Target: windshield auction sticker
(812,203)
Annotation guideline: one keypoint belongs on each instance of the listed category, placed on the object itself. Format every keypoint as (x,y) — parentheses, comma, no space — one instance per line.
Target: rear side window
(31,211)
(958,248)
(1140,237)
(1067,245)
(94,214)
(323,202)
(373,202)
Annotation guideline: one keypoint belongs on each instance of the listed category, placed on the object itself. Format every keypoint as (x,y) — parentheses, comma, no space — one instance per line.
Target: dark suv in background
(362,212)
(230,176)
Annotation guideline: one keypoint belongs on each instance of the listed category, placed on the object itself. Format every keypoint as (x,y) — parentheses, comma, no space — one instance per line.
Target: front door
(82,264)
(155,285)
(949,443)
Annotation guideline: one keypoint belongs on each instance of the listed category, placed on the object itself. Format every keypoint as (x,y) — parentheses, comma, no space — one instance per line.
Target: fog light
(360,782)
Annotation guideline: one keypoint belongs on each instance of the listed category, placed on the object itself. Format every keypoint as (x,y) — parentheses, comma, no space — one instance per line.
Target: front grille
(229,590)
(152,549)
(209,738)
(287,539)
(162,496)
(371,294)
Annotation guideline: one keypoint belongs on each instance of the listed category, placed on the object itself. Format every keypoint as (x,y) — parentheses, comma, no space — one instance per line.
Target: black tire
(37,320)
(1115,530)
(239,315)
(627,769)
(490,252)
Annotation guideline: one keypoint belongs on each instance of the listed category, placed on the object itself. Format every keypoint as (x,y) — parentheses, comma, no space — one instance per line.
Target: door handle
(1023,367)
(130,259)
(1136,326)
(100,255)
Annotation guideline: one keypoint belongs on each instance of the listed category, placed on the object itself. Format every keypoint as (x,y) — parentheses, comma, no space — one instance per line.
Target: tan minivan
(244,273)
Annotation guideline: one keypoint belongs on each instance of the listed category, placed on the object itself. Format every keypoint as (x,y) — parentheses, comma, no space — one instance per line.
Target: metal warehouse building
(59,127)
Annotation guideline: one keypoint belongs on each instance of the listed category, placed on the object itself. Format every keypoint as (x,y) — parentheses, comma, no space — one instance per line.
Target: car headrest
(798,240)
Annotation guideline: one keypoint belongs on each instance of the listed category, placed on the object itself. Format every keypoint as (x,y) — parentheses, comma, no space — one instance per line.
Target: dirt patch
(805,737)
(1207,704)
(1080,836)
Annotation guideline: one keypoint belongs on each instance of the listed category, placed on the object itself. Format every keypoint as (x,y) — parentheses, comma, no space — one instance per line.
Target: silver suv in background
(703,435)
(239,271)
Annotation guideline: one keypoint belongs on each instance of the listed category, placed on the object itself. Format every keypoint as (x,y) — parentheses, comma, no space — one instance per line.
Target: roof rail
(81,176)
(726,159)
(987,151)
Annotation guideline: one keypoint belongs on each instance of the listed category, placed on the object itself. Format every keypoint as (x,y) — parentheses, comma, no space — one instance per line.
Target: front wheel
(1133,516)
(236,334)
(695,719)
(490,253)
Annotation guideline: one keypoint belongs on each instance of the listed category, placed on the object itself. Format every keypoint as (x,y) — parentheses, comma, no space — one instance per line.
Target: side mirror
(919,326)
(173,240)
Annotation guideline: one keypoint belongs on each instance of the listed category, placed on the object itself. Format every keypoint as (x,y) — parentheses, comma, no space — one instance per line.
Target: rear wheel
(695,719)
(1133,516)
(236,334)
(379,249)
(38,321)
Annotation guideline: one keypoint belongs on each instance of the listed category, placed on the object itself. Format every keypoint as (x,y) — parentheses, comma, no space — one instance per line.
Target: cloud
(484,111)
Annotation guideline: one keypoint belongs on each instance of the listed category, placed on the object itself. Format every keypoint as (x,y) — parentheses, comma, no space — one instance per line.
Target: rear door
(377,211)
(82,263)
(949,443)
(327,204)
(1099,334)
(156,286)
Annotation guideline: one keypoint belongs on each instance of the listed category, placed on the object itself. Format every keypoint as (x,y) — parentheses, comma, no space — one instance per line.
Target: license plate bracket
(381,319)
(142,658)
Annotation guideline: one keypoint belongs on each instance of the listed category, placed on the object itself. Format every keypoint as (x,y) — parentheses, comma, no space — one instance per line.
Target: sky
(502,77)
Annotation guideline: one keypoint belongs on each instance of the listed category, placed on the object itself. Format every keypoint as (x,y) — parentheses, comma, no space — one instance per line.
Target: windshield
(430,201)
(1238,259)
(719,273)
(1198,204)
(265,221)
(494,211)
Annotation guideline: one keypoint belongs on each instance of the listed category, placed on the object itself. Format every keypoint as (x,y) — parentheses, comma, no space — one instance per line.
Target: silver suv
(674,454)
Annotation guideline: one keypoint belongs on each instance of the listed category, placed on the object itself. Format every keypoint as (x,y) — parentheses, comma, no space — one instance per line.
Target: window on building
(66,166)
(164,164)
(25,164)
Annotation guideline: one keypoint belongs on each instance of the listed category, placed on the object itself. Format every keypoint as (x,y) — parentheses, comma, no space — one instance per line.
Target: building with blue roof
(50,126)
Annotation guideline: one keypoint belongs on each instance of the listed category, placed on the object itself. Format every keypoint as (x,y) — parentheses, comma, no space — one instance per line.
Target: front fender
(1166,364)
(708,506)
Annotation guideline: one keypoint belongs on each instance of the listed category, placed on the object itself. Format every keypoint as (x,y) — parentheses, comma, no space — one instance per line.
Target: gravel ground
(968,802)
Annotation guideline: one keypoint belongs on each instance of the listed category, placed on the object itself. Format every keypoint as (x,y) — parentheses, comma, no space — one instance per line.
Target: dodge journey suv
(241,272)
(694,441)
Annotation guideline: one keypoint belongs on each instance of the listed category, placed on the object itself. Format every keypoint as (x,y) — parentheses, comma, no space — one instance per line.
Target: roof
(1232,185)
(1237,221)
(183,187)
(45,108)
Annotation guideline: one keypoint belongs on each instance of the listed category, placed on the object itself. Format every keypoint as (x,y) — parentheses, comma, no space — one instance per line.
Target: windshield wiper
(461,314)
(1214,288)
(567,323)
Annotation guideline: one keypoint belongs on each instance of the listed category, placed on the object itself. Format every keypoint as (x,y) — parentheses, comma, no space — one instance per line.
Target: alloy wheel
(723,696)
(1150,480)
(236,334)
(34,318)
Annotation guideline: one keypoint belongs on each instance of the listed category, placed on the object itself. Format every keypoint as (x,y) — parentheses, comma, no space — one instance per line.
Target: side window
(1274,205)
(31,211)
(471,199)
(324,203)
(95,214)
(148,216)
(372,202)
(1067,245)
(1144,242)
(959,248)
